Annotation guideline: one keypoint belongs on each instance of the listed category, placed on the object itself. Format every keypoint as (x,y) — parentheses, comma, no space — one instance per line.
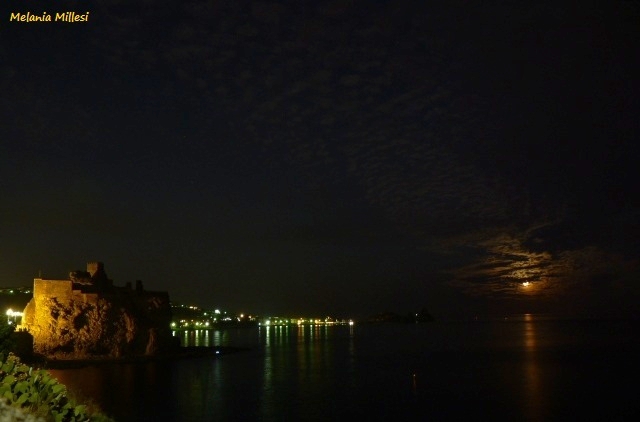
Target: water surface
(515,369)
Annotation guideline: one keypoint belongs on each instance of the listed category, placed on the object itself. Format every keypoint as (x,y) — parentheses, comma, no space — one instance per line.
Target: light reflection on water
(522,369)
(535,402)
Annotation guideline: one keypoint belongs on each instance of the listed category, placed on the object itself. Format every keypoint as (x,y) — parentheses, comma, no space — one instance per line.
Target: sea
(516,368)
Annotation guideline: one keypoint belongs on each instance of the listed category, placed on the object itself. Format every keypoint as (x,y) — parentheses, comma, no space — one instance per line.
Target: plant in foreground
(36,391)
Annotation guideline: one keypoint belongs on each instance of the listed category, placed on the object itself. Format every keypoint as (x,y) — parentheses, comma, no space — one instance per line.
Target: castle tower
(95,267)
(99,277)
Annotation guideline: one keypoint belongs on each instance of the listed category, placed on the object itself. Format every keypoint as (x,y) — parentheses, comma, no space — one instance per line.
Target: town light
(11,314)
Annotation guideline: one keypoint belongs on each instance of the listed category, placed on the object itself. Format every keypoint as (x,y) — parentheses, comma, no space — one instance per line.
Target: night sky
(341,158)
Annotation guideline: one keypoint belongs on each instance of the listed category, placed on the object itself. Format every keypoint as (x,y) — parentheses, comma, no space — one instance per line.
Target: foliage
(39,393)
(6,342)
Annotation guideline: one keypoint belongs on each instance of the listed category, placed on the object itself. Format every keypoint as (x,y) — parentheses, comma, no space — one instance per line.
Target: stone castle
(87,316)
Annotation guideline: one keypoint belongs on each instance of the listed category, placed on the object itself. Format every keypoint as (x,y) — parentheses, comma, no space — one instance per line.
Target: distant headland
(422,316)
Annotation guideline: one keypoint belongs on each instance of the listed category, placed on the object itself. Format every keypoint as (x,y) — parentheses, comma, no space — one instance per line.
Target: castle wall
(29,313)
(60,289)
(35,314)
(43,289)
(78,295)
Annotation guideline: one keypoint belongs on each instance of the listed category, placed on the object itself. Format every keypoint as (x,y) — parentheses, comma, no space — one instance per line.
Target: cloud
(417,118)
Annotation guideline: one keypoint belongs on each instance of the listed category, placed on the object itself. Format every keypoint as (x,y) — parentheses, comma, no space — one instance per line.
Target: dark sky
(342,157)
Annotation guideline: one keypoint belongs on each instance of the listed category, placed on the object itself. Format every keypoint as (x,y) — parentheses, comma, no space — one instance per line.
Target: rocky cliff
(84,320)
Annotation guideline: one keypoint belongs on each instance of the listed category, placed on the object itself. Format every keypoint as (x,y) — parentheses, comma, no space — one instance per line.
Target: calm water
(522,369)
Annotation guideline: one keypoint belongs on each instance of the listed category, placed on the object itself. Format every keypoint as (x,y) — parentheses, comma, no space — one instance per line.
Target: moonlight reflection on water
(519,368)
